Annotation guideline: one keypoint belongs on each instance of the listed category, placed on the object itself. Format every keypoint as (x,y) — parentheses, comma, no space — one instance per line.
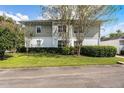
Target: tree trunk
(78,51)
(79,48)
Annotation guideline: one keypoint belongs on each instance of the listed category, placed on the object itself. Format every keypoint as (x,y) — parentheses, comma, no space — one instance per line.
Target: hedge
(95,51)
(40,50)
(99,51)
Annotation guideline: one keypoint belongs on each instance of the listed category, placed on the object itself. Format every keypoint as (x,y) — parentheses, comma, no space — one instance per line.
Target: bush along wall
(99,51)
(40,50)
(63,51)
(94,51)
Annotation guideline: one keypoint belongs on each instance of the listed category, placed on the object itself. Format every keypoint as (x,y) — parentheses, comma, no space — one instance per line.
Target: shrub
(66,50)
(72,51)
(63,51)
(22,49)
(98,51)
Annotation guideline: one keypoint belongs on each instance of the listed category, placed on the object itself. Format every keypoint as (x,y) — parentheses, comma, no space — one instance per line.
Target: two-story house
(44,33)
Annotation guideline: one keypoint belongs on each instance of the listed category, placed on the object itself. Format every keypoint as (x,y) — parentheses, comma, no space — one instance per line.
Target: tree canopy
(115,35)
(85,16)
(11,34)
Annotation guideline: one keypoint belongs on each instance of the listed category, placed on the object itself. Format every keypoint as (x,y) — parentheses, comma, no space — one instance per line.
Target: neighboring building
(116,42)
(45,33)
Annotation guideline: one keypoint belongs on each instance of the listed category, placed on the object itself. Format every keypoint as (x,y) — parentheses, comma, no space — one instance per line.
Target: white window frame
(40,29)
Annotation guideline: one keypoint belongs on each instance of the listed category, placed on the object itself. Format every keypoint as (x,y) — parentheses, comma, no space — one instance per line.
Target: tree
(61,13)
(11,34)
(88,16)
(84,16)
(2,18)
(119,31)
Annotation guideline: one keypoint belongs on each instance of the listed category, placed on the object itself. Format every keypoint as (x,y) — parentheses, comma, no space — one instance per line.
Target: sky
(33,12)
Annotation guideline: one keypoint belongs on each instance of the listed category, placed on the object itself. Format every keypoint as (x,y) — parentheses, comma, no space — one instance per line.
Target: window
(76,29)
(121,42)
(38,42)
(27,43)
(38,29)
(76,43)
(62,28)
(59,28)
(61,43)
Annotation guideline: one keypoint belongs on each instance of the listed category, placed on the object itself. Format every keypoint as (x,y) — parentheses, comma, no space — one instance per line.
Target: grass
(42,60)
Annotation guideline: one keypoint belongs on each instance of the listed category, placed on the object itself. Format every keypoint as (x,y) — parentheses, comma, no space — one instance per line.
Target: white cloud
(22,17)
(16,17)
(41,18)
(119,26)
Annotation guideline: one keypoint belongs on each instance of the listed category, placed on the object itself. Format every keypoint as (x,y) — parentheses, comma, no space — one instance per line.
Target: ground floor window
(38,42)
(121,42)
(27,43)
(62,28)
(76,43)
(76,29)
(61,43)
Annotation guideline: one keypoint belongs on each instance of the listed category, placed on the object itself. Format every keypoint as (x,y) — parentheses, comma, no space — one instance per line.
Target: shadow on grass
(5,57)
(49,55)
(44,55)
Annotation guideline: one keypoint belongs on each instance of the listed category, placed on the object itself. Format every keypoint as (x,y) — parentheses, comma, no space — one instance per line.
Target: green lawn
(40,60)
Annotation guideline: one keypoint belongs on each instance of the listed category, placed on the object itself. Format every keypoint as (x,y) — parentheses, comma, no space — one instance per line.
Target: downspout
(99,36)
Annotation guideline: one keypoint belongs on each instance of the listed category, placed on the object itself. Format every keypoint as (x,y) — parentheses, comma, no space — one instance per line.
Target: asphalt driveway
(64,77)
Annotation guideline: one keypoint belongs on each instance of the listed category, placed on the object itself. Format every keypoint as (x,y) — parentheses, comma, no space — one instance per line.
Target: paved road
(64,77)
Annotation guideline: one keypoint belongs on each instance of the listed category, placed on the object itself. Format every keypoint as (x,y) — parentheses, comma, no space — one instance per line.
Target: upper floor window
(62,28)
(38,29)
(76,29)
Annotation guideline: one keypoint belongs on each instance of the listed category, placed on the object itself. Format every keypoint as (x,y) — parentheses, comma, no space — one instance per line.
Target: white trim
(45,42)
